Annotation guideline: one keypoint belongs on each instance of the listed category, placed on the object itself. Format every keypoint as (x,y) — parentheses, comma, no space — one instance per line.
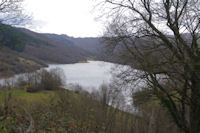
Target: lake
(89,75)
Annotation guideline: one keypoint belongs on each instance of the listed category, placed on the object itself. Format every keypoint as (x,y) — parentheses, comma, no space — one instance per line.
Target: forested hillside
(89,44)
(22,50)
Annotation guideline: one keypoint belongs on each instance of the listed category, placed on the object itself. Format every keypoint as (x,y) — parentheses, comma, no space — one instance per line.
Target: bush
(41,80)
(51,80)
(21,82)
(33,82)
(31,88)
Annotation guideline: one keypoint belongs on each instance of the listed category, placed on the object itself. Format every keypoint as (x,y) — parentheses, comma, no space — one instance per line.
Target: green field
(43,96)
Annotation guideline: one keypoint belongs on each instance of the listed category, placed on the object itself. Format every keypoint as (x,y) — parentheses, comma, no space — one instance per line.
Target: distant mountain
(61,38)
(22,50)
(60,51)
(93,45)
(90,44)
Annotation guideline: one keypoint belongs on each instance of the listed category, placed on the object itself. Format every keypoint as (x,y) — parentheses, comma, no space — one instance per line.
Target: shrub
(77,88)
(51,80)
(21,82)
(33,82)
(41,80)
(31,88)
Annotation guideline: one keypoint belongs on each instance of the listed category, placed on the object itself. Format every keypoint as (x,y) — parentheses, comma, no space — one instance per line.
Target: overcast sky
(71,17)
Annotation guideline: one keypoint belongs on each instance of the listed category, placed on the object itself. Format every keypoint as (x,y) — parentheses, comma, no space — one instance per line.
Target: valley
(36,50)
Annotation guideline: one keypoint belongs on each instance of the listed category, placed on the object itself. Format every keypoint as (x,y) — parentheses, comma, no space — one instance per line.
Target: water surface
(91,74)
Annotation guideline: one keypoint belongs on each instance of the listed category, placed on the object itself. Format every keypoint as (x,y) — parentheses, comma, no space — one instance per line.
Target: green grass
(42,97)
(26,95)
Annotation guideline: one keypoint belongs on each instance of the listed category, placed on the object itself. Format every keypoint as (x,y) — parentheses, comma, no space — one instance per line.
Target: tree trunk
(151,128)
(195,105)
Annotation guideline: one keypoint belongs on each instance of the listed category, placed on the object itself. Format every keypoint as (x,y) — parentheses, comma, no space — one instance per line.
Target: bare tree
(161,38)
(12,12)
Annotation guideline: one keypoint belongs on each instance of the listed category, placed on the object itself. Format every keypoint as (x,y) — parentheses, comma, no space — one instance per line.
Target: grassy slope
(11,63)
(81,114)
(43,96)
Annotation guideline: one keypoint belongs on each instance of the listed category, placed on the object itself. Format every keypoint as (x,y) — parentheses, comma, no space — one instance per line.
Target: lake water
(88,75)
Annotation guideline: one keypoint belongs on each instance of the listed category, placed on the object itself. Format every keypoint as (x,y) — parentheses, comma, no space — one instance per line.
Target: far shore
(6,76)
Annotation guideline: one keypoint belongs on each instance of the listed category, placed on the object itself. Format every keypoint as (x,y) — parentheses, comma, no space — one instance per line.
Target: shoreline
(7,76)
